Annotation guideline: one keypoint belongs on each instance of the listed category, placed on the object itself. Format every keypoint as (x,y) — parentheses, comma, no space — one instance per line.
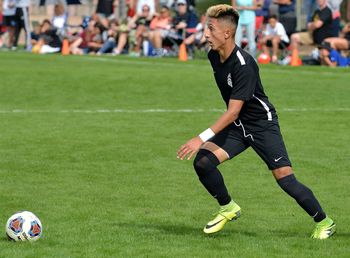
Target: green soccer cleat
(324,229)
(226,213)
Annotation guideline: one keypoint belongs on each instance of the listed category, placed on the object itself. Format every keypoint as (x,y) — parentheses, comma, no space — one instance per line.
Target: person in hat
(331,57)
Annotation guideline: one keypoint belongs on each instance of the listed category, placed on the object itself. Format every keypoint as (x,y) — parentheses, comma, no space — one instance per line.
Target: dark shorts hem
(263,136)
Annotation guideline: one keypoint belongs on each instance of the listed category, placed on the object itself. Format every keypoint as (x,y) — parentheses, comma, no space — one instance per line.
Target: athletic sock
(303,196)
(228,206)
(205,165)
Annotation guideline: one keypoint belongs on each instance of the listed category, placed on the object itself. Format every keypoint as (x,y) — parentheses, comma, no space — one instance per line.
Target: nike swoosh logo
(276,160)
(210,226)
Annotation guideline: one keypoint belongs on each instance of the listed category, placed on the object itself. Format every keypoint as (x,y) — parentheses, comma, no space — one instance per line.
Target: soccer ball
(264,59)
(24,226)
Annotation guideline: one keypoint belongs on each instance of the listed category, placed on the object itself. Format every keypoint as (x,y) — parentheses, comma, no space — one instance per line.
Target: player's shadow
(180,229)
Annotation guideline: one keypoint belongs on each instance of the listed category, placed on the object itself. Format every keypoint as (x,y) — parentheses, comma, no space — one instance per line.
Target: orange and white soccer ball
(24,226)
(264,59)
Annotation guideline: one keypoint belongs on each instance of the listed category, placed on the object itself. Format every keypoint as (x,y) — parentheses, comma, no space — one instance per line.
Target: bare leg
(338,43)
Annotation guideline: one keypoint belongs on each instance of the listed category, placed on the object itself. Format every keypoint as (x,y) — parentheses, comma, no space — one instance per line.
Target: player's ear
(227,34)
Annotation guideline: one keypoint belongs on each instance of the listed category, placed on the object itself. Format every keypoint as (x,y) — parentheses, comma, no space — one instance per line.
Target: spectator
(59,19)
(331,57)
(343,42)
(122,41)
(197,38)
(262,13)
(309,7)
(185,20)
(104,11)
(139,24)
(50,6)
(8,12)
(246,10)
(287,16)
(73,7)
(89,40)
(319,29)
(159,27)
(111,42)
(184,24)
(152,4)
(334,5)
(22,22)
(275,37)
(49,41)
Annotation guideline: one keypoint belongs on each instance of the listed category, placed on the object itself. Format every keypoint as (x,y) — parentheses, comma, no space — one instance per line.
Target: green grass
(108,184)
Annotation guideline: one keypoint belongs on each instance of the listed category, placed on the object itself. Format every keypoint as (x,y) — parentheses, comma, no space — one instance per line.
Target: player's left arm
(228,117)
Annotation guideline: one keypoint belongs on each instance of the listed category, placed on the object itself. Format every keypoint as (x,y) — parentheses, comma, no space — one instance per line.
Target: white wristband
(206,135)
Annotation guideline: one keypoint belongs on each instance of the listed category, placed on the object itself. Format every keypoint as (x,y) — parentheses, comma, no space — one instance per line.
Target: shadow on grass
(181,229)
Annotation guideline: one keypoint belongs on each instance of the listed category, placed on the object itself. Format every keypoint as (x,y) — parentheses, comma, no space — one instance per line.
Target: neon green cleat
(324,229)
(226,213)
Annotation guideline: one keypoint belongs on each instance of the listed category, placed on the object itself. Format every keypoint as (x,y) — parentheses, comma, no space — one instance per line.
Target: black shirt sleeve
(244,83)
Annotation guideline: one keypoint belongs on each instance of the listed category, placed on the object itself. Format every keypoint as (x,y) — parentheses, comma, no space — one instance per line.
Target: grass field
(89,145)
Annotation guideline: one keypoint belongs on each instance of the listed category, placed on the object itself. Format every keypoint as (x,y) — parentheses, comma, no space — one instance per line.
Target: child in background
(331,57)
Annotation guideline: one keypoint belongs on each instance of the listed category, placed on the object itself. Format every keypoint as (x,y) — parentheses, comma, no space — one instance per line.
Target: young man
(250,121)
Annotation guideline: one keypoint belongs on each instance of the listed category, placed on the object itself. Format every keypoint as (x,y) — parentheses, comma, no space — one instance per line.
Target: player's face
(215,34)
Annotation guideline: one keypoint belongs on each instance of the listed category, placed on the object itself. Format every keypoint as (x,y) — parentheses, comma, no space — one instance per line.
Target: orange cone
(183,52)
(65,47)
(295,60)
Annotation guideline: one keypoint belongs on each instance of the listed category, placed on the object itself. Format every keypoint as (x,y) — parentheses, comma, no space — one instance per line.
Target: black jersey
(238,78)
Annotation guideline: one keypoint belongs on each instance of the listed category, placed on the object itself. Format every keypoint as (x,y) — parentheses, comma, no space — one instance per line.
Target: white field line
(205,65)
(213,110)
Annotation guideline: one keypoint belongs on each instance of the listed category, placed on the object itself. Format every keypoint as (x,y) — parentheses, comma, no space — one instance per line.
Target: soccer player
(249,121)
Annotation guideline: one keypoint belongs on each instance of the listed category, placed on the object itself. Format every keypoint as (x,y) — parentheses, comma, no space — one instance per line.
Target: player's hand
(189,148)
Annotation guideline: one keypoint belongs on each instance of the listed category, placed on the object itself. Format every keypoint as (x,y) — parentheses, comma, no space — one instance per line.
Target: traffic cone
(65,47)
(295,60)
(183,52)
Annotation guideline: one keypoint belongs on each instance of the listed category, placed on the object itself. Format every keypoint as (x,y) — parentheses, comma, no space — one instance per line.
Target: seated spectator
(196,39)
(183,26)
(275,37)
(111,41)
(343,42)
(89,40)
(159,27)
(122,38)
(331,57)
(139,25)
(48,40)
(319,29)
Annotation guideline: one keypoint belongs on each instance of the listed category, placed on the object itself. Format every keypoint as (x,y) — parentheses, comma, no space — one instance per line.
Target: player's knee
(204,162)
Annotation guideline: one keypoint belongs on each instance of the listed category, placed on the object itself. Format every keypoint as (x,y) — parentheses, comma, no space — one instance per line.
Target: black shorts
(263,136)
(281,45)
(9,21)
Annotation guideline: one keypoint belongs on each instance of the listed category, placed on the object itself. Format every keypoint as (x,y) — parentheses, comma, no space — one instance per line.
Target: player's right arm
(192,146)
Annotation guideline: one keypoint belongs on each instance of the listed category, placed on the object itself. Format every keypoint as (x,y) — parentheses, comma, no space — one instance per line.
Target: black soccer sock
(205,165)
(303,195)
